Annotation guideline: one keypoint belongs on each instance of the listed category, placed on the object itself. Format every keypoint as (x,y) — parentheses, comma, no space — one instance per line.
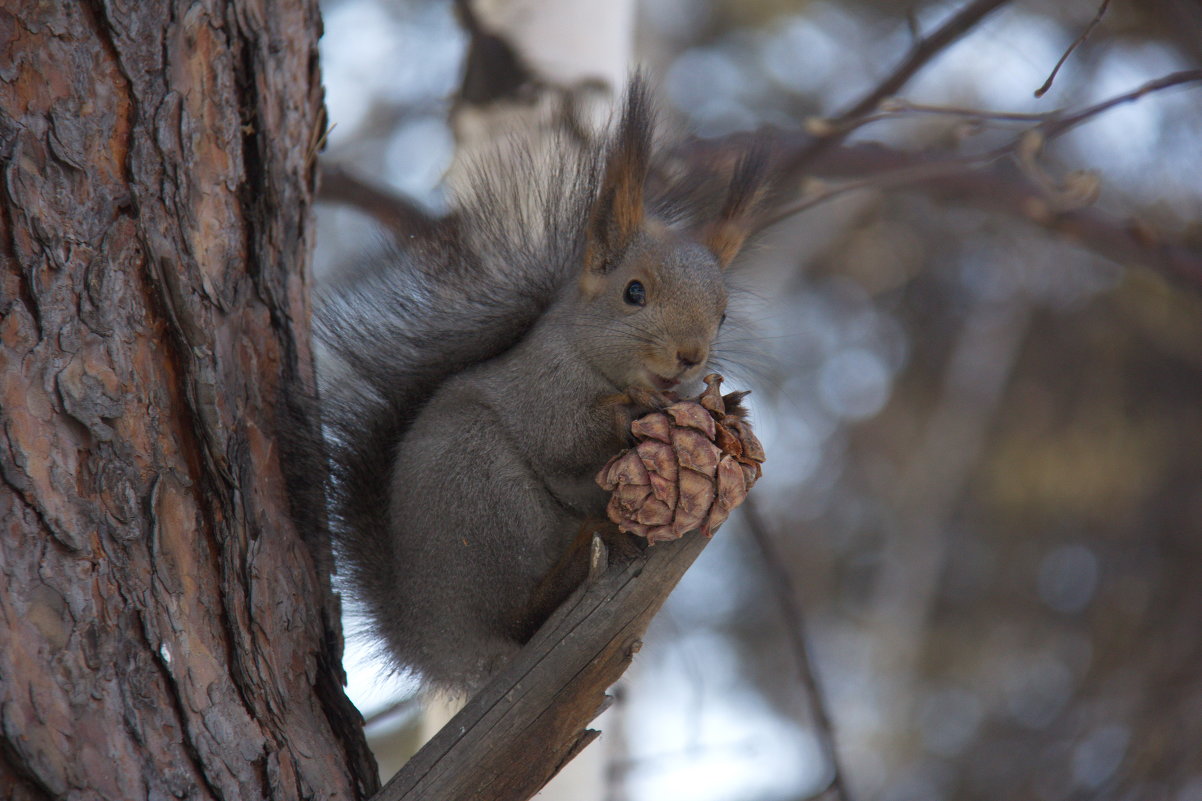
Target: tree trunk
(166,630)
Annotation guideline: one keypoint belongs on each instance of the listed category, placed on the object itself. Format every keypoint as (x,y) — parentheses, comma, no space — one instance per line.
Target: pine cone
(694,463)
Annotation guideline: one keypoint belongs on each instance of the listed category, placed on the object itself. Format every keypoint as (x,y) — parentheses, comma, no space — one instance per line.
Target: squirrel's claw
(598,559)
(632,404)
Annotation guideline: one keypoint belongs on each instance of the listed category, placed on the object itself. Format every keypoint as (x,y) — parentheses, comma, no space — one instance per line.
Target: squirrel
(475,380)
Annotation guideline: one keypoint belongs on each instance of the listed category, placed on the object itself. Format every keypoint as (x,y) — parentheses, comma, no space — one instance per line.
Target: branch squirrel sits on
(474,382)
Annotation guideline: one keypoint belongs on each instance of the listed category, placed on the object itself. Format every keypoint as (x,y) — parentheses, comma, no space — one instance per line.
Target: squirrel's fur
(471,383)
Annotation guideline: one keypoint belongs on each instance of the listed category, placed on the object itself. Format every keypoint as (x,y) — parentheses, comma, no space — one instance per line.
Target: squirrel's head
(653,298)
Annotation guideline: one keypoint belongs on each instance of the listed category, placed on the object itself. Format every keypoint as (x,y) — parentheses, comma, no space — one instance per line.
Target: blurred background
(984,430)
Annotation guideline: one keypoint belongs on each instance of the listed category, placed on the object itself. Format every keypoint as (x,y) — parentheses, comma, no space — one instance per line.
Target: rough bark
(164,629)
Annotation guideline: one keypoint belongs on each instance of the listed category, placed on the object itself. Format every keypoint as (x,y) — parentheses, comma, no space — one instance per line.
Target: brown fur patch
(748,188)
(619,212)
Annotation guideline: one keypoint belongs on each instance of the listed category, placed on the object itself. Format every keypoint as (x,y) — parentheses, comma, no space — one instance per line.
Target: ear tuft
(748,189)
(618,211)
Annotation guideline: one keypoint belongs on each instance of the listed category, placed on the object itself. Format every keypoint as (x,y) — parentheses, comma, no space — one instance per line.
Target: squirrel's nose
(690,357)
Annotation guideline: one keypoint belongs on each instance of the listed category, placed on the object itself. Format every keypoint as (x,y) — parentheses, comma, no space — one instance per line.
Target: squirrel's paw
(634,403)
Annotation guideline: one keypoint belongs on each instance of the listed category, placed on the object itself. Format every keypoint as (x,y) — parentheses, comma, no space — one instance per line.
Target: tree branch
(1002,189)
(795,629)
(1080,40)
(1059,124)
(517,732)
(394,211)
(981,179)
(1050,126)
(923,51)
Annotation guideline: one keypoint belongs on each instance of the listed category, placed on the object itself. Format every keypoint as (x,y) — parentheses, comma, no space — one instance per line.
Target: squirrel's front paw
(632,404)
(647,400)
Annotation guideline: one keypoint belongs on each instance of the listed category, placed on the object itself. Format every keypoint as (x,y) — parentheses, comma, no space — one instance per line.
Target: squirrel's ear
(618,212)
(748,189)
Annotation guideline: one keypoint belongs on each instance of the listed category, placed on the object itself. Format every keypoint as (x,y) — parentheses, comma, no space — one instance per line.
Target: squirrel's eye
(635,295)
(722,320)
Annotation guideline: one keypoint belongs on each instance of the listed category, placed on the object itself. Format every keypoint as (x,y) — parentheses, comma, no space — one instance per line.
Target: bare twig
(1043,90)
(395,212)
(923,51)
(404,706)
(794,620)
(895,106)
(318,138)
(618,763)
(1053,124)
(1061,124)
(828,134)
(916,173)
(981,179)
(997,188)
(1056,122)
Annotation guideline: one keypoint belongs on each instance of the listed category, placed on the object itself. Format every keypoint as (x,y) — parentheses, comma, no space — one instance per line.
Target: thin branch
(1008,192)
(1053,125)
(923,51)
(1059,125)
(405,706)
(982,180)
(926,48)
(903,176)
(786,597)
(618,763)
(1043,90)
(399,214)
(895,106)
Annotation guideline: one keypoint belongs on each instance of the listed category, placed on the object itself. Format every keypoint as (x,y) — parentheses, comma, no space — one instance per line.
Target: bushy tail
(395,329)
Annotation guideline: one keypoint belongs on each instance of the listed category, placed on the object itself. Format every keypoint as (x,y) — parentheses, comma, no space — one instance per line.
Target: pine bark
(165,629)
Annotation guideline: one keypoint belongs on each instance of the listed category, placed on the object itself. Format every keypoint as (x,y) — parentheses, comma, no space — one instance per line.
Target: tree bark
(165,630)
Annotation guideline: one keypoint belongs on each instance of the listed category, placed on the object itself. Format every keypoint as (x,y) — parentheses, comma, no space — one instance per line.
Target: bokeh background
(984,436)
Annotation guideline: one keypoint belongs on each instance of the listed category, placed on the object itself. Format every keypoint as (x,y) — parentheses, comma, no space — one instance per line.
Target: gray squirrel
(475,381)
